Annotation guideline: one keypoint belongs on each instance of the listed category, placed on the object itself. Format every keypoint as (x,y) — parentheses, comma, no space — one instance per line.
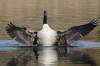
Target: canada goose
(48,37)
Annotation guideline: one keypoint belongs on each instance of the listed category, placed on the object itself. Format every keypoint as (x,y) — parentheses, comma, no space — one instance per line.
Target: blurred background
(62,14)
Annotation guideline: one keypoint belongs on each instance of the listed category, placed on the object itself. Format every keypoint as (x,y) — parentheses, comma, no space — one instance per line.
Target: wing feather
(21,34)
(75,33)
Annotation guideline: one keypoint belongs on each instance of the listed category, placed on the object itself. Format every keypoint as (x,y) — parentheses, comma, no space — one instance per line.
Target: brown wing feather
(21,34)
(77,32)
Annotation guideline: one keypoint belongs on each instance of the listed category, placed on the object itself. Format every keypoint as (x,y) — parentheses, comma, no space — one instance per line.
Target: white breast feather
(47,36)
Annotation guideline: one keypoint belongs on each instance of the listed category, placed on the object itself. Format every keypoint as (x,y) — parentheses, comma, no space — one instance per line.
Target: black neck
(45,17)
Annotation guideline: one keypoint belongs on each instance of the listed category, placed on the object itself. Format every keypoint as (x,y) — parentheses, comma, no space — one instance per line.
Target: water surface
(82,53)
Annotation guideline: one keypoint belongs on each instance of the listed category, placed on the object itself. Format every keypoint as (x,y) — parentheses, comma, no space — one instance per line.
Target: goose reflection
(50,56)
(75,56)
(25,56)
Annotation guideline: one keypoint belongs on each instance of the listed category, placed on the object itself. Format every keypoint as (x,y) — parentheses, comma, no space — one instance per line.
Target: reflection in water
(12,62)
(49,56)
(24,56)
(76,56)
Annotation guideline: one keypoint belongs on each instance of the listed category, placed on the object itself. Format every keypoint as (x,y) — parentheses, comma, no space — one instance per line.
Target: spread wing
(77,32)
(21,34)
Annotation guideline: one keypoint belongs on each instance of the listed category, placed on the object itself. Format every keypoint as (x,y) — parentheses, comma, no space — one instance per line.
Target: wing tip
(10,26)
(95,22)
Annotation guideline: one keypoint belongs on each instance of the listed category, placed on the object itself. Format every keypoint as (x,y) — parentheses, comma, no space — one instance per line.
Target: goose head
(47,36)
(45,17)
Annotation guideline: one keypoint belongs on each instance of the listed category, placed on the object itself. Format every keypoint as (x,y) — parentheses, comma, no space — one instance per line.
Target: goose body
(48,37)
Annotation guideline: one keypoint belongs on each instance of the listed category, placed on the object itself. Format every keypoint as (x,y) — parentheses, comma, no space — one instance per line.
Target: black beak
(45,17)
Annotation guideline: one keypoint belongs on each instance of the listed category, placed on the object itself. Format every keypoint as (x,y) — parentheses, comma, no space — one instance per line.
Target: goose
(47,36)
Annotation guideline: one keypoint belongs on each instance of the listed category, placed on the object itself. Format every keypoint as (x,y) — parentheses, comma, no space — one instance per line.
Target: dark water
(80,54)
(53,56)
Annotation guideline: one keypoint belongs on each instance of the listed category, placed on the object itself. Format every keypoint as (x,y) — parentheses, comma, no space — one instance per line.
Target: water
(62,14)
(83,53)
(12,44)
